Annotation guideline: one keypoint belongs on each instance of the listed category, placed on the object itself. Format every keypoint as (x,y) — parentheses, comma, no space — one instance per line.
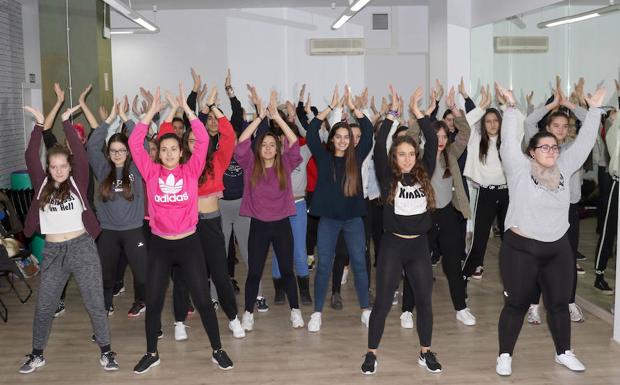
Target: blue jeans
(355,239)
(299,223)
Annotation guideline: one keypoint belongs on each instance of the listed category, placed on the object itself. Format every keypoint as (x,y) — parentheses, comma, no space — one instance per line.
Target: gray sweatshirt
(118,213)
(538,213)
(299,176)
(531,128)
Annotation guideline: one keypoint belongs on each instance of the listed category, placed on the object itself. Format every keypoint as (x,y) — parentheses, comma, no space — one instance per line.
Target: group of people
(177,190)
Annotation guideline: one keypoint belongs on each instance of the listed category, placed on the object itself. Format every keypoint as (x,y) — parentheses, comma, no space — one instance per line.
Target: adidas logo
(170,186)
(140,244)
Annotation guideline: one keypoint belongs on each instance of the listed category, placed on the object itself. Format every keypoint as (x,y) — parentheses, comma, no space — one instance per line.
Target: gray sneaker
(31,364)
(108,361)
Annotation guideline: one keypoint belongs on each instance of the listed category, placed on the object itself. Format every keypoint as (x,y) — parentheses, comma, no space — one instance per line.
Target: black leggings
(111,244)
(214,249)
(187,253)
(313,225)
(491,203)
(262,234)
(524,263)
(411,255)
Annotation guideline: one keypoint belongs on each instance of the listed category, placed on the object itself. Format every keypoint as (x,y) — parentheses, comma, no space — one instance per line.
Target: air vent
(380,21)
(521,44)
(353,46)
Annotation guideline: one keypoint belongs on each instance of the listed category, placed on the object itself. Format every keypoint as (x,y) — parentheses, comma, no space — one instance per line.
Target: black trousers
(524,263)
(412,256)
(187,254)
(491,203)
(111,244)
(262,234)
(313,226)
(605,244)
(604,187)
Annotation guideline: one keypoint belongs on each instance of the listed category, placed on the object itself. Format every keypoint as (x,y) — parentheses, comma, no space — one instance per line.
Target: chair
(8,267)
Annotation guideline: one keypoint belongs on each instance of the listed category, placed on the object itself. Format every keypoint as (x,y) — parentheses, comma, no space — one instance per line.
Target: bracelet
(394,113)
(330,107)
(210,106)
(228,88)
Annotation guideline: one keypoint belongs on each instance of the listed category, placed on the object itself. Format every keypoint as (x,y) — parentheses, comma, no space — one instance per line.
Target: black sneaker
(60,309)
(146,363)
(261,304)
(93,339)
(222,360)
(136,309)
(429,360)
(370,364)
(336,301)
(108,361)
(235,285)
(31,364)
(580,257)
(111,311)
(160,334)
(603,286)
(119,288)
(216,304)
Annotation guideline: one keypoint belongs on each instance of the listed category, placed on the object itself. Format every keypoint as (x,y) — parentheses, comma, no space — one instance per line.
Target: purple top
(265,201)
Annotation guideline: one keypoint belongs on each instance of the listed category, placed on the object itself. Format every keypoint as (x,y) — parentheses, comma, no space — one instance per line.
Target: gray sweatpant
(79,257)
(231,220)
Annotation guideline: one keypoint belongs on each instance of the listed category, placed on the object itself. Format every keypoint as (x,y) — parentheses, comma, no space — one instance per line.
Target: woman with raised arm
(408,198)
(536,249)
(61,212)
(338,200)
(120,209)
(172,191)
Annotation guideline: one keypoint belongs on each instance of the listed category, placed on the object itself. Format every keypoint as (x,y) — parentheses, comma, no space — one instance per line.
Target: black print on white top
(561,186)
(409,200)
(56,205)
(117,186)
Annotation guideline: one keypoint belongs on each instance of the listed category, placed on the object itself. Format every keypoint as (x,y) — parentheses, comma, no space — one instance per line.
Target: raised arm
(462,137)
(80,159)
(513,157)
(273,111)
(33,162)
(139,154)
(251,128)
(90,117)
(365,144)
(51,116)
(96,142)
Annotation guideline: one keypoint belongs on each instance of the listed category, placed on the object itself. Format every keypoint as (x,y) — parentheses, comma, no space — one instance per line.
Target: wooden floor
(276,354)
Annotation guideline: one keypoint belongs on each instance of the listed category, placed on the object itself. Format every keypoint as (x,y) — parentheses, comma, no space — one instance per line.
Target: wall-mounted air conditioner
(352,46)
(521,44)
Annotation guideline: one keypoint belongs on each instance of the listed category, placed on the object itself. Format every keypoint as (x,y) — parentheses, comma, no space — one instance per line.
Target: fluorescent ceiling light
(343,19)
(145,24)
(359,5)
(121,32)
(579,17)
(119,6)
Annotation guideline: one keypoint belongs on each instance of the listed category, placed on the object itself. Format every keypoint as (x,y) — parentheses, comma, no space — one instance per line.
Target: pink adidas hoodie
(172,194)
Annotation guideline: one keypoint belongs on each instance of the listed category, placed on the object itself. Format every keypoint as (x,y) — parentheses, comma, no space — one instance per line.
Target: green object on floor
(20,180)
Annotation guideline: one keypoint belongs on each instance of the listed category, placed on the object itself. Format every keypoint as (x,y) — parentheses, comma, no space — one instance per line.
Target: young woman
(484,168)
(120,209)
(61,212)
(339,201)
(210,188)
(408,198)
(172,191)
(557,123)
(536,249)
(268,201)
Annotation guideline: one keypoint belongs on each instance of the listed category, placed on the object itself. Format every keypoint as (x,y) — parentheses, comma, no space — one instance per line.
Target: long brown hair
(484,136)
(352,179)
(418,172)
(260,171)
(441,125)
(50,191)
(107,192)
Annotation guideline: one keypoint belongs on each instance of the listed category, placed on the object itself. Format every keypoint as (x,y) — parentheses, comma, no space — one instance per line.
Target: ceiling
(206,4)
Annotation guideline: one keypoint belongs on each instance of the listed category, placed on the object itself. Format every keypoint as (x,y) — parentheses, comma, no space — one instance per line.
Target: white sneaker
(247,322)
(406,320)
(533,315)
(345,274)
(314,325)
(235,327)
(569,360)
(466,317)
(296,319)
(504,365)
(395,300)
(180,334)
(576,315)
(366,317)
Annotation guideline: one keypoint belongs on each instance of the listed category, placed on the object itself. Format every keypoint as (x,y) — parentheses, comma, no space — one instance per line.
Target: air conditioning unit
(352,46)
(521,44)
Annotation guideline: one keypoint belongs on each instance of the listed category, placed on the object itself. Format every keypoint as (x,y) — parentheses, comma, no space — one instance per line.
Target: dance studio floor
(276,354)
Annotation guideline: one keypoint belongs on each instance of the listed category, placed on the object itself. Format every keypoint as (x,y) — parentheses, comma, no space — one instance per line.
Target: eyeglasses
(546,148)
(118,152)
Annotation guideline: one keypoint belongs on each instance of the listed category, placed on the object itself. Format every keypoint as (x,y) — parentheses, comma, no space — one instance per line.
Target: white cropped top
(62,217)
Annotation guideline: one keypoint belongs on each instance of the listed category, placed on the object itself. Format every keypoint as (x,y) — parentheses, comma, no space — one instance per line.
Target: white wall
(267,47)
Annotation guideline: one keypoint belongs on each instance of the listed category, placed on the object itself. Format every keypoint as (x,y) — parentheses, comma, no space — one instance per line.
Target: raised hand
(201,95)
(272,108)
(123,109)
(395,100)
(103,112)
(67,114)
(373,107)
(290,111)
(134,106)
(347,100)
(113,112)
(462,89)
(197,80)
(36,114)
(617,86)
(596,100)
(438,89)
(414,102)
(529,97)
(506,95)
(451,103)
(308,106)
(384,106)
(154,108)
(501,100)
(302,92)
(335,98)
(82,99)
(60,94)
(432,104)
